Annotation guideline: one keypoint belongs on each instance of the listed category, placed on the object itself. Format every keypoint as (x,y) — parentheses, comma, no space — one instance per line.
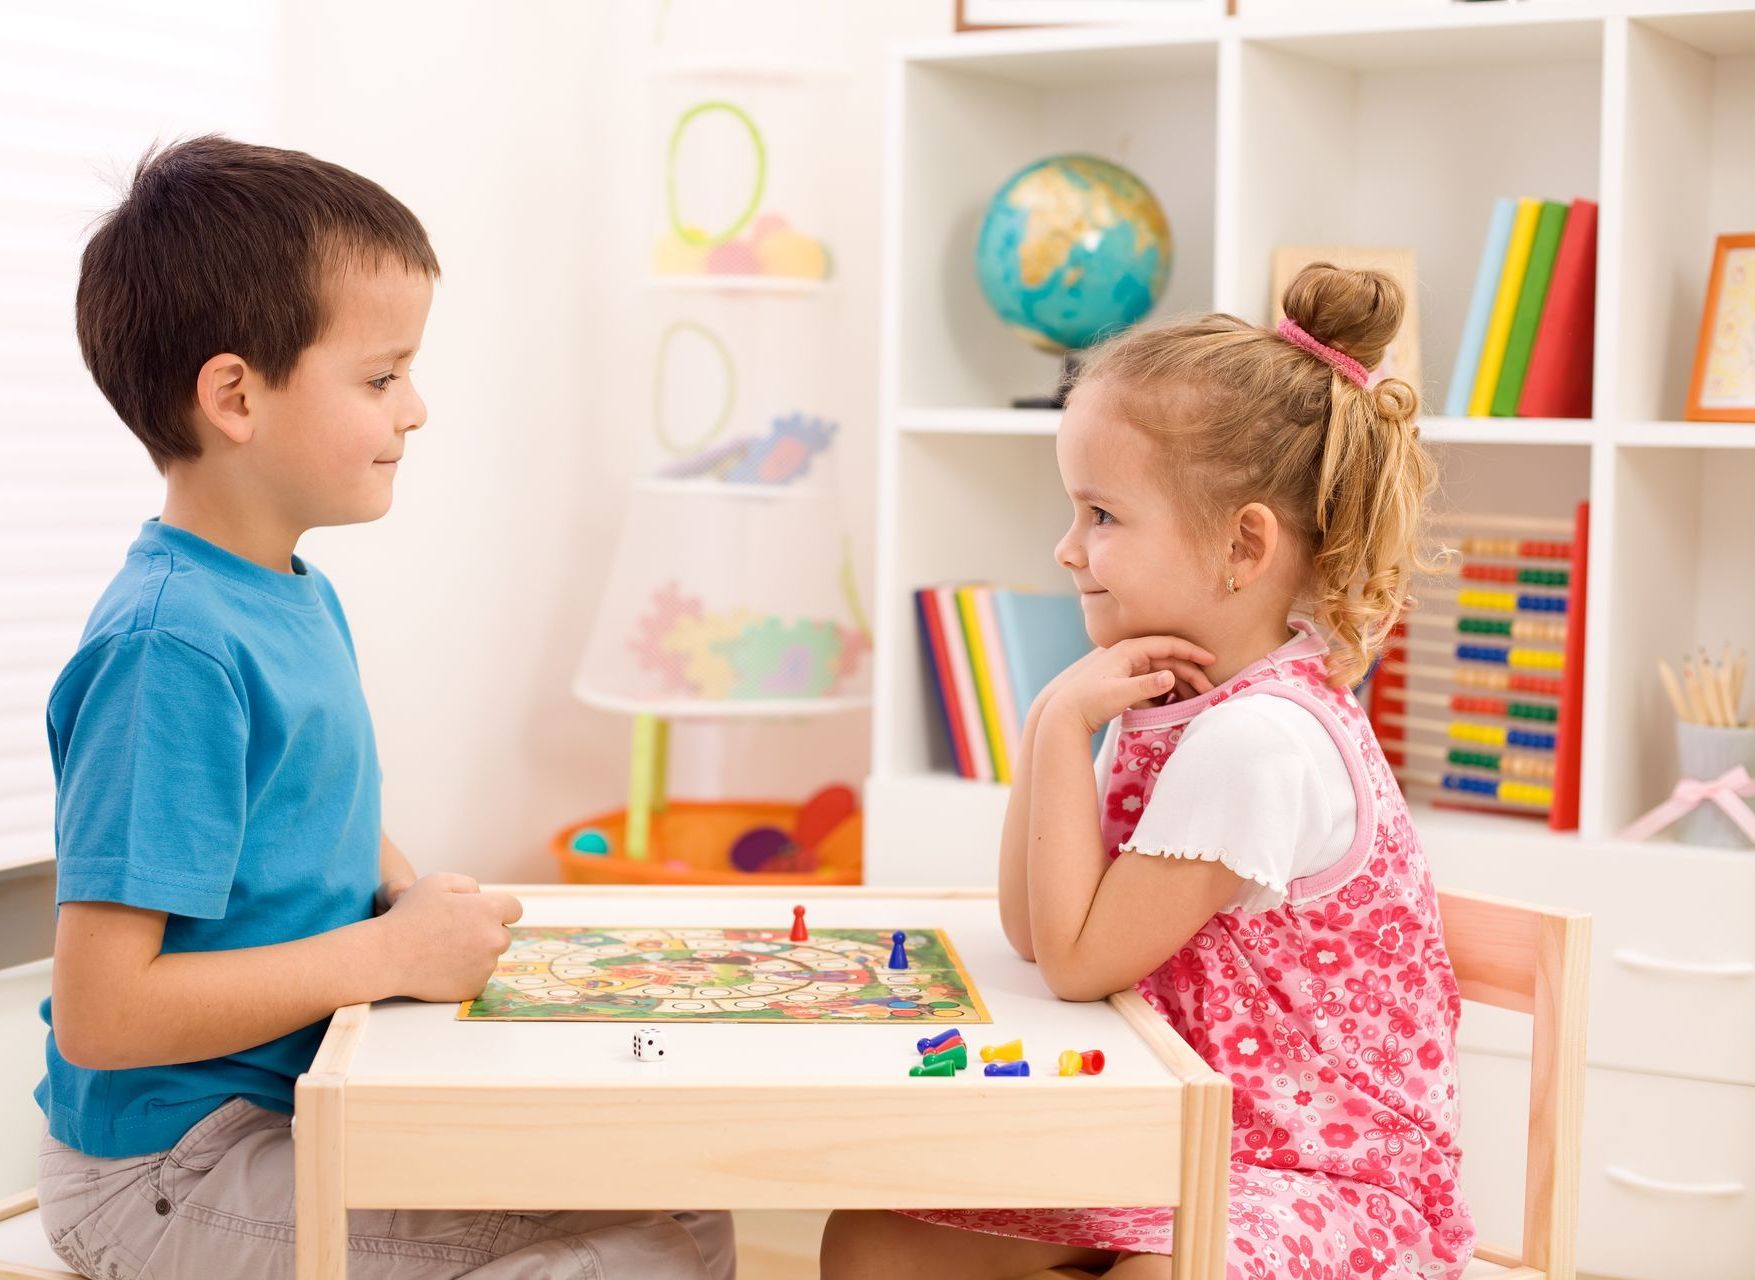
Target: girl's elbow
(1068,983)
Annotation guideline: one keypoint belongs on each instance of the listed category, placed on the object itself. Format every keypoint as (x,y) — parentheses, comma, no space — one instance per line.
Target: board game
(657,974)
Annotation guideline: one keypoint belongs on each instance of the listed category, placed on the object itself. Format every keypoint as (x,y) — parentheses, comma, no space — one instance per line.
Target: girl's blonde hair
(1245,416)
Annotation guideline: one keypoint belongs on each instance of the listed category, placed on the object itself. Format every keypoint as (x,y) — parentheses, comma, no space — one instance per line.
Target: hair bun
(1357,312)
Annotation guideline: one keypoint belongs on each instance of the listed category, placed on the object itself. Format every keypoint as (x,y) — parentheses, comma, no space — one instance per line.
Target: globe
(1072,249)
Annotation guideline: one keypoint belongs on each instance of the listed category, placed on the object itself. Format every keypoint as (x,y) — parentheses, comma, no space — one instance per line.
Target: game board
(657,974)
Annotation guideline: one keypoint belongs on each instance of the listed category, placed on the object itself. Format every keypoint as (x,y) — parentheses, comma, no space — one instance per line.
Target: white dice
(649,1044)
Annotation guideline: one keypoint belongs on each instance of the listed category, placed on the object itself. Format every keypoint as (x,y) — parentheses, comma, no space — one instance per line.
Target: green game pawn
(958,1057)
(944,1068)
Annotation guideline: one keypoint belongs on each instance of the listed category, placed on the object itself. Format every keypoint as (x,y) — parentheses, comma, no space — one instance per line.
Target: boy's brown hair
(218,246)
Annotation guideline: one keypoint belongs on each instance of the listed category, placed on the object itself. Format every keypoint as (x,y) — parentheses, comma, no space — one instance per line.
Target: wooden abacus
(1477,700)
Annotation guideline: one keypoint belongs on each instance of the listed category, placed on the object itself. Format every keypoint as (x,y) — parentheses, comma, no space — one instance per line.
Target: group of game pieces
(946,1054)
(898,939)
(650,1044)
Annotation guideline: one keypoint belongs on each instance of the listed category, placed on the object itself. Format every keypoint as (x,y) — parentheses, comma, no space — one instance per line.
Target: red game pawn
(798,930)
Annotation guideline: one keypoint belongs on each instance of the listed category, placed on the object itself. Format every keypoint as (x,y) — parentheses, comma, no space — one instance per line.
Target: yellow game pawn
(1086,1062)
(1010,1051)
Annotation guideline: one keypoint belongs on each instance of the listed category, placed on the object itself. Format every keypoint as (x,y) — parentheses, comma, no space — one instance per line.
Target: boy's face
(330,437)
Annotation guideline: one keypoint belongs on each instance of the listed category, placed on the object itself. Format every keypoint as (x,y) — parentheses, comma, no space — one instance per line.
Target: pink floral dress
(1334,1015)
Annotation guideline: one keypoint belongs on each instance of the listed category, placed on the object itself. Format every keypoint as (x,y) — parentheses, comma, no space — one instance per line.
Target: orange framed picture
(1723,386)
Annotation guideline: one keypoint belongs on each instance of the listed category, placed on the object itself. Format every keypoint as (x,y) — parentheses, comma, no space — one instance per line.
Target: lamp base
(690,842)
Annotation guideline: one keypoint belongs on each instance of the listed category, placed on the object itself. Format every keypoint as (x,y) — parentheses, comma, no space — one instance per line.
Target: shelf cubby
(1002,530)
(1686,178)
(968,123)
(1682,524)
(1404,139)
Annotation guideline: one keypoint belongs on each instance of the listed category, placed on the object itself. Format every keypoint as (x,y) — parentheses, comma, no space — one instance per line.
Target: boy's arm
(395,873)
(119,1002)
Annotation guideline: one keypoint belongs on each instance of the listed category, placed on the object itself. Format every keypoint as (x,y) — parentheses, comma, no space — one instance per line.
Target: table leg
(319,1203)
(1202,1218)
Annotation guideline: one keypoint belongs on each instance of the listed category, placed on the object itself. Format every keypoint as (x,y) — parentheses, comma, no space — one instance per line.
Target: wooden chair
(1506,954)
(24,1249)
(1534,961)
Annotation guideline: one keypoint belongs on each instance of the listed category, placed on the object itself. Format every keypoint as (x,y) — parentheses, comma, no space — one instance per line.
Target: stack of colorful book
(990,651)
(1527,339)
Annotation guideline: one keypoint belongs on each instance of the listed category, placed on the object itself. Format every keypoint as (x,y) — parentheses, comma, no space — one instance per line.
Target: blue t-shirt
(214,760)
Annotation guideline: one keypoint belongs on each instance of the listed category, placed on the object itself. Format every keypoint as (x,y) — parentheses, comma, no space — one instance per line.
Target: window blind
(84,90)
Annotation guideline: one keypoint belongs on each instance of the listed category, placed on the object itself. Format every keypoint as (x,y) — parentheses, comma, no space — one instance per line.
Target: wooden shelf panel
(1364,128)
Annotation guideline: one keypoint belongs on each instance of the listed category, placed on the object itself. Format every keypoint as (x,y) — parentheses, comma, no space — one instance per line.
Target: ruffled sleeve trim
(1231,862)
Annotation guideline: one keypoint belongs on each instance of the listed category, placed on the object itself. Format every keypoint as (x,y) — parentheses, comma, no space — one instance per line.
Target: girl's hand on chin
(1127,674)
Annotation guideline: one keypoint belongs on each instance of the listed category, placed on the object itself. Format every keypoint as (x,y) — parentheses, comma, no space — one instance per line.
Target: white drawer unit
(1668,1174)
(1673,953)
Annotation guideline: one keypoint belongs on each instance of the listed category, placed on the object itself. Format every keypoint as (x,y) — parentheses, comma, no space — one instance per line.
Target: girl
(1245,859)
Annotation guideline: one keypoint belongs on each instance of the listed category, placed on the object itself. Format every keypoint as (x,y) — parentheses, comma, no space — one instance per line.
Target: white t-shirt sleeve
(1258,784)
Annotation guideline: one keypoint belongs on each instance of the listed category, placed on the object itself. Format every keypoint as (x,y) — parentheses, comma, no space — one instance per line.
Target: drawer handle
(1628,1178)
(1730,969)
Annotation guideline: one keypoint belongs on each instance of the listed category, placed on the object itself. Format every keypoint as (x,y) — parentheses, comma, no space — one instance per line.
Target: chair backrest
(1536,961)
(24,1250)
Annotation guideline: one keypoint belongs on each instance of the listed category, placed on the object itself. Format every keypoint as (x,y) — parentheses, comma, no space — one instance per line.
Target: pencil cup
(1704,752)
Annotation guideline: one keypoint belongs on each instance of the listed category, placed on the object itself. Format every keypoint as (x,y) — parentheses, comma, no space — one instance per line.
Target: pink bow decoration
(1726,791)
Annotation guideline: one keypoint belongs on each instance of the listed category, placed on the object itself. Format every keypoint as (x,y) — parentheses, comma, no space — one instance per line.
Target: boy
(223,878)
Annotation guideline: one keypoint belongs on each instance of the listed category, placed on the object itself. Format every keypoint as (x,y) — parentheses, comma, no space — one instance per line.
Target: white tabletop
(407,1039)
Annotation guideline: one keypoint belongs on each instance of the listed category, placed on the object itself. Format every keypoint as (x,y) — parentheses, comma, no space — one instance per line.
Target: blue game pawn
(932,1044)
(1007,1069)
(898,955)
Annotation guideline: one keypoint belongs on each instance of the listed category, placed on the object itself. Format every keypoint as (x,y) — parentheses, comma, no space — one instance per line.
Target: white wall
(519,134)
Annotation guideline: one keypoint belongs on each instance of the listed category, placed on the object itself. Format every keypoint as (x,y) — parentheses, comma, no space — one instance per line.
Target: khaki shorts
(219,1205)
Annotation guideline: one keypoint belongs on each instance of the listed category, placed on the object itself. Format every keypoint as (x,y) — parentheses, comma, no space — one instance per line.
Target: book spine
(1517,260)
(938,666)
(999,672)
(1529,309)
(984,699)
(963,681)
(1562,360)
(1468,352)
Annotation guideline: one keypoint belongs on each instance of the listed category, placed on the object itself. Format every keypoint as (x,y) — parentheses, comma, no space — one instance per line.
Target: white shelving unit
(1395,127)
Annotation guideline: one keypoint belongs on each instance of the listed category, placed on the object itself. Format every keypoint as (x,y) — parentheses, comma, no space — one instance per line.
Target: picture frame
(990,15)
(1723,386)
(1402,359)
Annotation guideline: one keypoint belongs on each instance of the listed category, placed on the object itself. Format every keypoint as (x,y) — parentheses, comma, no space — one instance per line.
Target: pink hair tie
(1340,361)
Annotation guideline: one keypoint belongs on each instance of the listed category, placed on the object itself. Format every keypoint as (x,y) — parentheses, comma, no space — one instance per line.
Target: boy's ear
(1255,536)
(219,392)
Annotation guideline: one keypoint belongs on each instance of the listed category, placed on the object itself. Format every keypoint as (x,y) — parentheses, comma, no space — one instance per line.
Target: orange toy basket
(691,843)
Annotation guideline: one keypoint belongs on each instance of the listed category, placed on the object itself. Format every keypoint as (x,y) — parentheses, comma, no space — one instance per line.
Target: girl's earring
(1231,583)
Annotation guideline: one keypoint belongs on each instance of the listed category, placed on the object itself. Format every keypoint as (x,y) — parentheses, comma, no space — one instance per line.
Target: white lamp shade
(727,600)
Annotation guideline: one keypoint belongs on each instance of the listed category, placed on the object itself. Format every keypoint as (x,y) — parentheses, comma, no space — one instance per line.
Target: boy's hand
(1106,682)
(388,892)
(445,935)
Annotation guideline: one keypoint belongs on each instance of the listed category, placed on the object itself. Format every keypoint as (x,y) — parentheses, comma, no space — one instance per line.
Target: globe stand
(1069,372)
